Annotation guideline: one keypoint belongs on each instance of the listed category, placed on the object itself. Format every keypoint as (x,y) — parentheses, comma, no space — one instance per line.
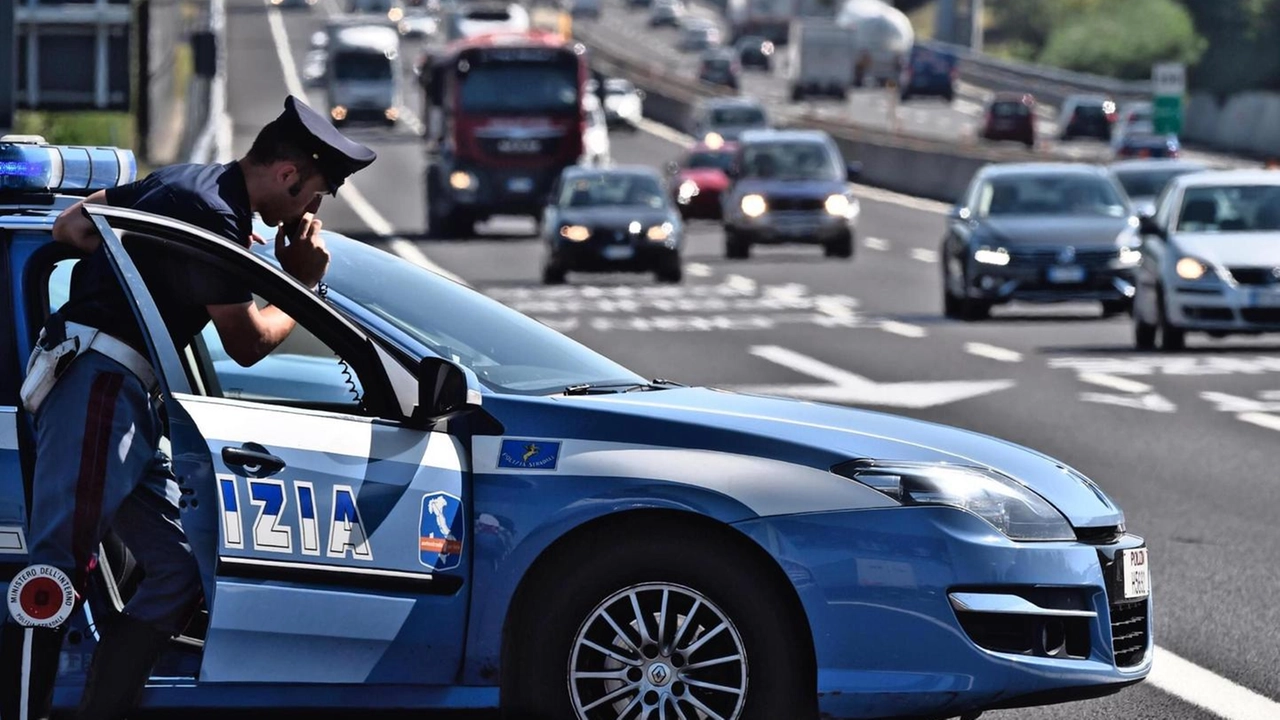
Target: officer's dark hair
(273,145)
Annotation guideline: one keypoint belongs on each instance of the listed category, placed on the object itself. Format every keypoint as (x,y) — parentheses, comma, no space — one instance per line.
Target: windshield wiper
(620,387)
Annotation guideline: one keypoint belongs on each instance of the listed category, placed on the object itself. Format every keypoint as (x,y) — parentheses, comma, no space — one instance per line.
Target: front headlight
(461,180)
(688,191)
(1189,268)
(1008,506)
(753,206)
(575,233)
(987,256)
(837,205)
(659,233)
(1129,257)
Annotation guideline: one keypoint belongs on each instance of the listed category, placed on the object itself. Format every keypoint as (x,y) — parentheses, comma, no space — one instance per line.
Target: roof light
(27,163)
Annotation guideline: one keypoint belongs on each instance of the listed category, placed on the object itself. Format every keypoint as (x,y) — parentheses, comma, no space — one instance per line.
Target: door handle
(252,460)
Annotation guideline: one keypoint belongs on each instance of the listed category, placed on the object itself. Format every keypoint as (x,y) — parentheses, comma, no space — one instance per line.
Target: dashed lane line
(875,243)
(903,329)
(923,255)
(992,352)
(353,197)
(1115,383)
(1261,419)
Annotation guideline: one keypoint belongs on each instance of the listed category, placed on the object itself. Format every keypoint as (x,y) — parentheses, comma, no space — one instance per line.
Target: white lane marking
(875,243)
(1115,383)
(1198,686)
(928,256)
(663,132)
(410,120)
(842,386)
(698,269)
(354,198)
(1261,419)
(992,352)
(903,329)
(1150,401)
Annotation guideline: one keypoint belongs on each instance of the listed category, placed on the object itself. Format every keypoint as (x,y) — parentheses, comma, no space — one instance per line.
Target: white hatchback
(1210,259)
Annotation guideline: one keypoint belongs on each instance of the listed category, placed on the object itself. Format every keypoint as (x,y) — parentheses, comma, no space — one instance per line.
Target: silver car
(1210,259)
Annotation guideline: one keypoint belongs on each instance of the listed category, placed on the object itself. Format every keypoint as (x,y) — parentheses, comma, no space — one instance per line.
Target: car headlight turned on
(753,206)
(338,113)
(1189,268)
(841,206)
(688,191)
(575,233)
(1008,506)
(987,256)
(461,180)
(1129,257)
(660,233)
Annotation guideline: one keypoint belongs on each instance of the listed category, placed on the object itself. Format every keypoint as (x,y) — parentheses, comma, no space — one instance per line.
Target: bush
(78,128)
(1124,39)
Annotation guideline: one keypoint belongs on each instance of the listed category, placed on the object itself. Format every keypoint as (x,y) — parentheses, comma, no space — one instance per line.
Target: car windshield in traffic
(735,116)
(605,189)
(1057,194)
(509,352)
(713,160)
(361,66)
(801,160)
(524,88)
(1010,109)
(1245,208)
(1147,183)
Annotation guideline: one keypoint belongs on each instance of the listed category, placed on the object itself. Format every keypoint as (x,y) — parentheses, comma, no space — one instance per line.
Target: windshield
(509,352)
(361,66)
(716,65)
(523,88)
(1064,194)
(1247,208)
(612,189)
(747,116)
(717,161)
(1010,109)
(1147,183)
(790,160)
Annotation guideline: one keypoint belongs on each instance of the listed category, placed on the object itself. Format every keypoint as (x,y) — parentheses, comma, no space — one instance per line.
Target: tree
(1124,38)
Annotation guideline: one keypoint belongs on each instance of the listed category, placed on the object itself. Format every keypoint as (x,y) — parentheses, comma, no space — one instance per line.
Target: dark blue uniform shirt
(213,197)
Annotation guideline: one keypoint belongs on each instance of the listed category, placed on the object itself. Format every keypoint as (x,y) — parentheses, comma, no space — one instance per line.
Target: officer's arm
(74,228)
(248,333)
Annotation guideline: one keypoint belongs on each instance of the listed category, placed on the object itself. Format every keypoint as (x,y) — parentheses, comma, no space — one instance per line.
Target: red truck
(505,115)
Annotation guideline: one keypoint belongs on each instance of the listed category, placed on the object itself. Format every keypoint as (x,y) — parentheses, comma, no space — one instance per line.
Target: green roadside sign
(1168,86)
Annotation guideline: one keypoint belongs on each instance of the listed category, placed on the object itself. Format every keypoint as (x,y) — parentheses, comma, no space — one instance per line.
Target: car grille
(1044,257)
(1255,275)
(522,147)
(1202,312)
(1129,622)
(1099,535)
(786,204)
(1261,316)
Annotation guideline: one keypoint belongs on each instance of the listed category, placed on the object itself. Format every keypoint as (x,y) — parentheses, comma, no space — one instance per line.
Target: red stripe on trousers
(95,453)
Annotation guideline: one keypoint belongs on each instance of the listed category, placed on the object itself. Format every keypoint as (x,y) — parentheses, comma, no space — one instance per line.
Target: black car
(754,52)
(719,66)
(790,186)
(1144,145)
(615,220)
(1039,232)
(928,72)
(1090,116)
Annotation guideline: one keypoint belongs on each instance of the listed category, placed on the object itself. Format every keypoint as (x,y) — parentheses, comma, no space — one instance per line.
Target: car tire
(1171,339)
(736,248)
(1144,333)
(1111,308)
(552,273)
(952,306)
(797,94)
(841,247)
(604,593)
(669,270)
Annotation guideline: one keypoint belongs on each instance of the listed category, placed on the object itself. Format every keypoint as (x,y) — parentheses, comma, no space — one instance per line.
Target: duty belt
(61,343)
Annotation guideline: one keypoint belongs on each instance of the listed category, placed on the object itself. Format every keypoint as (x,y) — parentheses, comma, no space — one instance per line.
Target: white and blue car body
(425,499)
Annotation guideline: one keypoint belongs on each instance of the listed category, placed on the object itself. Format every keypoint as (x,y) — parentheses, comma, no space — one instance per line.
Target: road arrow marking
(1124,385)
(1150,401)
(844,387)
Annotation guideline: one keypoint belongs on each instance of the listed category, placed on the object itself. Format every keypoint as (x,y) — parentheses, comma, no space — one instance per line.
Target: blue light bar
(27,164)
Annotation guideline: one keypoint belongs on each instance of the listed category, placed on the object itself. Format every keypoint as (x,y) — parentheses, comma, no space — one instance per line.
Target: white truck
(883,38)
(362,73)
(768,19)
(820,59)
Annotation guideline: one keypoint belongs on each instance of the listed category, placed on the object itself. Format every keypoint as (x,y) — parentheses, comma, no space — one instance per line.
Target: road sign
(1168,86)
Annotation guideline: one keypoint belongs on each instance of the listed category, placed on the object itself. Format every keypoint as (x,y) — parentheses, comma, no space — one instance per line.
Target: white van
(362,74)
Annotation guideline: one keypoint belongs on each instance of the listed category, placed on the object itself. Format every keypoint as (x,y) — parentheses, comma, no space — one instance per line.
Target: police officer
(99,464)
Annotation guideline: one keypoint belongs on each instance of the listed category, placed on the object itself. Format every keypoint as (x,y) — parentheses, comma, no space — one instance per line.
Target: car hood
(706,178)
(1245,249)
(614,216)
(820,436)
(792,188)
(1048,230)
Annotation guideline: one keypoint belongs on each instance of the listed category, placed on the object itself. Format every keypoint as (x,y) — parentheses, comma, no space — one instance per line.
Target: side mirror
(959,214)
(1147,226)
(854,170)
(443,391)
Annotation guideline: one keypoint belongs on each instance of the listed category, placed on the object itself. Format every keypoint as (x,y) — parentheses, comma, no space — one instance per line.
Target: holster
(51,357)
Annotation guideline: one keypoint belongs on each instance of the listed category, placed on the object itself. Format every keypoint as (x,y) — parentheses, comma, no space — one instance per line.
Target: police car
(425,499)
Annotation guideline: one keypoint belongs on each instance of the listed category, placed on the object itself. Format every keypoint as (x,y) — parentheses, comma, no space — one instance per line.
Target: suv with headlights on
(790,186)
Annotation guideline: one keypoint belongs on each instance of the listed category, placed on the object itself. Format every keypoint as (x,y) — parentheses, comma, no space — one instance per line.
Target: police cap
(336,155)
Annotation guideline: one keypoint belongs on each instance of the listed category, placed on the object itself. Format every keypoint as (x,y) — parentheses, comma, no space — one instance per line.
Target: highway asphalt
(1185,443)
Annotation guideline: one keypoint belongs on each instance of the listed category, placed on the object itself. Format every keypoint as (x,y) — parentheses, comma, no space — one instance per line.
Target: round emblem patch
(41,596)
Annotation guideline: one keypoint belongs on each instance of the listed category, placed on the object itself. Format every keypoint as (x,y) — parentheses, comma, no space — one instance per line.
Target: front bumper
(1221,307)
(608,255)
(777,227)
(878,589)
(1040,283)
(502,191)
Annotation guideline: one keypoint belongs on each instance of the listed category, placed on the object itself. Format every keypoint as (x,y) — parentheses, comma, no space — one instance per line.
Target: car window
(605,189)
(734,116)
(1060,194)
(1010,109)
(1242,208)
(1147,183)
(716,160)
(797,160)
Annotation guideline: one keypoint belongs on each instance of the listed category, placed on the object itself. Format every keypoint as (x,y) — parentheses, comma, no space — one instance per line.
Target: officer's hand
(302,253)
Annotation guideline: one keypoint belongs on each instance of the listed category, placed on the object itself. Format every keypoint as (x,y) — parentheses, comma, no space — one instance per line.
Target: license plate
(1066,274)
(520,184)
(1135,574)
(618,252)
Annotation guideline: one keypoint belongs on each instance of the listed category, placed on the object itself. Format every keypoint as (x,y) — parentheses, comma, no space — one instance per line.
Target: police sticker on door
(441,529)
(1135,574)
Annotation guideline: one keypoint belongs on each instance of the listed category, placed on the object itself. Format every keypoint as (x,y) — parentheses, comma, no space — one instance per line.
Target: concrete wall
(1248,122)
